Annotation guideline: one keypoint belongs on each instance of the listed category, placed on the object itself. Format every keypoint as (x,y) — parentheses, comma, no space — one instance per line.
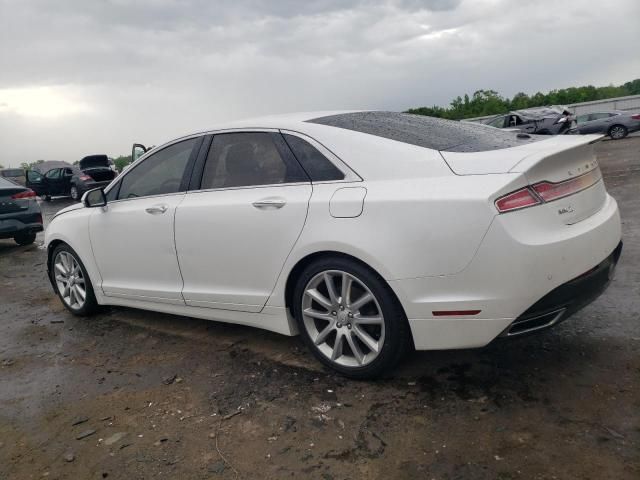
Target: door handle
(270,203)
(156,209)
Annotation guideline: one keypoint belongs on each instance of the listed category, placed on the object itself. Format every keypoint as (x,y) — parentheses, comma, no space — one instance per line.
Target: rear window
(5,183)
(428,132)
(317,166)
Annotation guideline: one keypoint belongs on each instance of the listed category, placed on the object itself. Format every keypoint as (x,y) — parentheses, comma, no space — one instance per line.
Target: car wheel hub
(69,280)
(343,318)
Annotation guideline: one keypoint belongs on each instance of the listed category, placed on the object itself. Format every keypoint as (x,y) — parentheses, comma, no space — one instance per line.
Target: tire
(382,318)
(25,238)
(47,198)
(77,277)
(74,193)
(617,132)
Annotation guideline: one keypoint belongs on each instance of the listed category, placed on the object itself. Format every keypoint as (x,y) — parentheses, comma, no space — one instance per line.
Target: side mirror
(94,198)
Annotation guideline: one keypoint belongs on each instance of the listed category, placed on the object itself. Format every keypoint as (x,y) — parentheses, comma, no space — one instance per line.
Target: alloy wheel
(74,192)
(343,318)
(70,280)
(617,132)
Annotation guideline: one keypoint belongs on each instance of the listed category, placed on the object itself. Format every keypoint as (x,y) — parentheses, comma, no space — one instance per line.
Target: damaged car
(553,120)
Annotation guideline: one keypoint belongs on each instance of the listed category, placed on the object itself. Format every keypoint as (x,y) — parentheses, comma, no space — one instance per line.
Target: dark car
(15,174)
(49,179)
(20,214)
(551,120)
(616,123)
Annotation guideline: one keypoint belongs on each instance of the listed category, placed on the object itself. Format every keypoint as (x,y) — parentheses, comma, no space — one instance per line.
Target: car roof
(418,130)
(44,167)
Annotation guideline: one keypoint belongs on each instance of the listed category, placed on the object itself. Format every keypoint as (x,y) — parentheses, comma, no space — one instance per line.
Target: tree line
(490,102)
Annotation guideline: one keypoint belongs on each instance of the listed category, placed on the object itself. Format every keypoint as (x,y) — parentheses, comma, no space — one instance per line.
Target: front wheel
(616,132)
(72,282)
(349,318)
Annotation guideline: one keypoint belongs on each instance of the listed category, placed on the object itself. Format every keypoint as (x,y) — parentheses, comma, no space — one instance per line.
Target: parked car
(15,174)
(49,179)
(551,120)
(366,232)
(20,215)
(617,124)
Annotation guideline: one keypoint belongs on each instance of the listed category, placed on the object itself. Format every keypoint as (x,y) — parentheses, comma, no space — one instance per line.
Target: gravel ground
(131,394)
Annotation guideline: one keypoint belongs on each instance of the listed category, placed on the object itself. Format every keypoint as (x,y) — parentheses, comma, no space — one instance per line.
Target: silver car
(616,123)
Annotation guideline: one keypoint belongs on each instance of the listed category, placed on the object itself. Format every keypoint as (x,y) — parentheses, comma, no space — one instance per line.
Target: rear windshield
(428,132)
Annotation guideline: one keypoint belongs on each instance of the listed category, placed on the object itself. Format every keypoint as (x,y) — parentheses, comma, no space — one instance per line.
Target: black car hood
(94,161)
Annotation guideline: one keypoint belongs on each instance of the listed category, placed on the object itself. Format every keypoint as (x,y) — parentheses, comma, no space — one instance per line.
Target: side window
(582,118)
(160,173)
(247,159)
(54,174)
(497,122)
(34,176)
(318,167)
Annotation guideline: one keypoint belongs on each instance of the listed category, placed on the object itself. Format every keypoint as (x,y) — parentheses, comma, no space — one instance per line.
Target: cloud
(124,70)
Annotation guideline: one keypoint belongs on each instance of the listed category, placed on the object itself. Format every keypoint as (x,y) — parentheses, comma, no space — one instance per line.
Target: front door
(233,235)
(132,237)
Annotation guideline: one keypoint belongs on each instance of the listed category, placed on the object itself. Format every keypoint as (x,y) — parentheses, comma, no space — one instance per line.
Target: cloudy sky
(92,76)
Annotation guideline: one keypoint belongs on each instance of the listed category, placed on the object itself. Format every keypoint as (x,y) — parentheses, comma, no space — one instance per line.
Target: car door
(235,231)
(54,181)
(599,122)
(36,182)
(132,237)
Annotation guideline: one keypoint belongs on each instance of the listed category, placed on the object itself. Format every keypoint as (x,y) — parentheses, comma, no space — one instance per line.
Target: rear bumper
(9,228)
(565,300)
(515,267)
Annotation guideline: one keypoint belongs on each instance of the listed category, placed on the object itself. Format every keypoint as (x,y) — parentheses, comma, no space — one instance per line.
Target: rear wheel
(75,194)
(349,318)
(25,238)
(616,132)
(72,282)
(47,198)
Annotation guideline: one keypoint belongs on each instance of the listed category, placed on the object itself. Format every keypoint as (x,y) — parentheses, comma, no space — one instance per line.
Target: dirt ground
(166,396)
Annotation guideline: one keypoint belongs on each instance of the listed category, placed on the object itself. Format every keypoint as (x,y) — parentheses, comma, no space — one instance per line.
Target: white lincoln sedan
(368,233)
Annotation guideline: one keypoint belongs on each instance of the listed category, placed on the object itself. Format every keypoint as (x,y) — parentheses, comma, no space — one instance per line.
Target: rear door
(235,231)
(55,181)
(598,123)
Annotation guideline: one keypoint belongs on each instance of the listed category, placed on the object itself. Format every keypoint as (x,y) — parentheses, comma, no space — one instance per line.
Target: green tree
(490,102)
(121,162)
(30,165)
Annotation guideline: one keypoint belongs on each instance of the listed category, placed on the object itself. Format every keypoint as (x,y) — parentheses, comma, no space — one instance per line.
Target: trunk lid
(558,162)
(94,161)
(516,159)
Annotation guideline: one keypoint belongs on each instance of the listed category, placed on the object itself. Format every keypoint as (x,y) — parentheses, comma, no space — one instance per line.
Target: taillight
(85,178)
(543,192)
(636,116)
(25,194)
(522,198)
(549,191)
